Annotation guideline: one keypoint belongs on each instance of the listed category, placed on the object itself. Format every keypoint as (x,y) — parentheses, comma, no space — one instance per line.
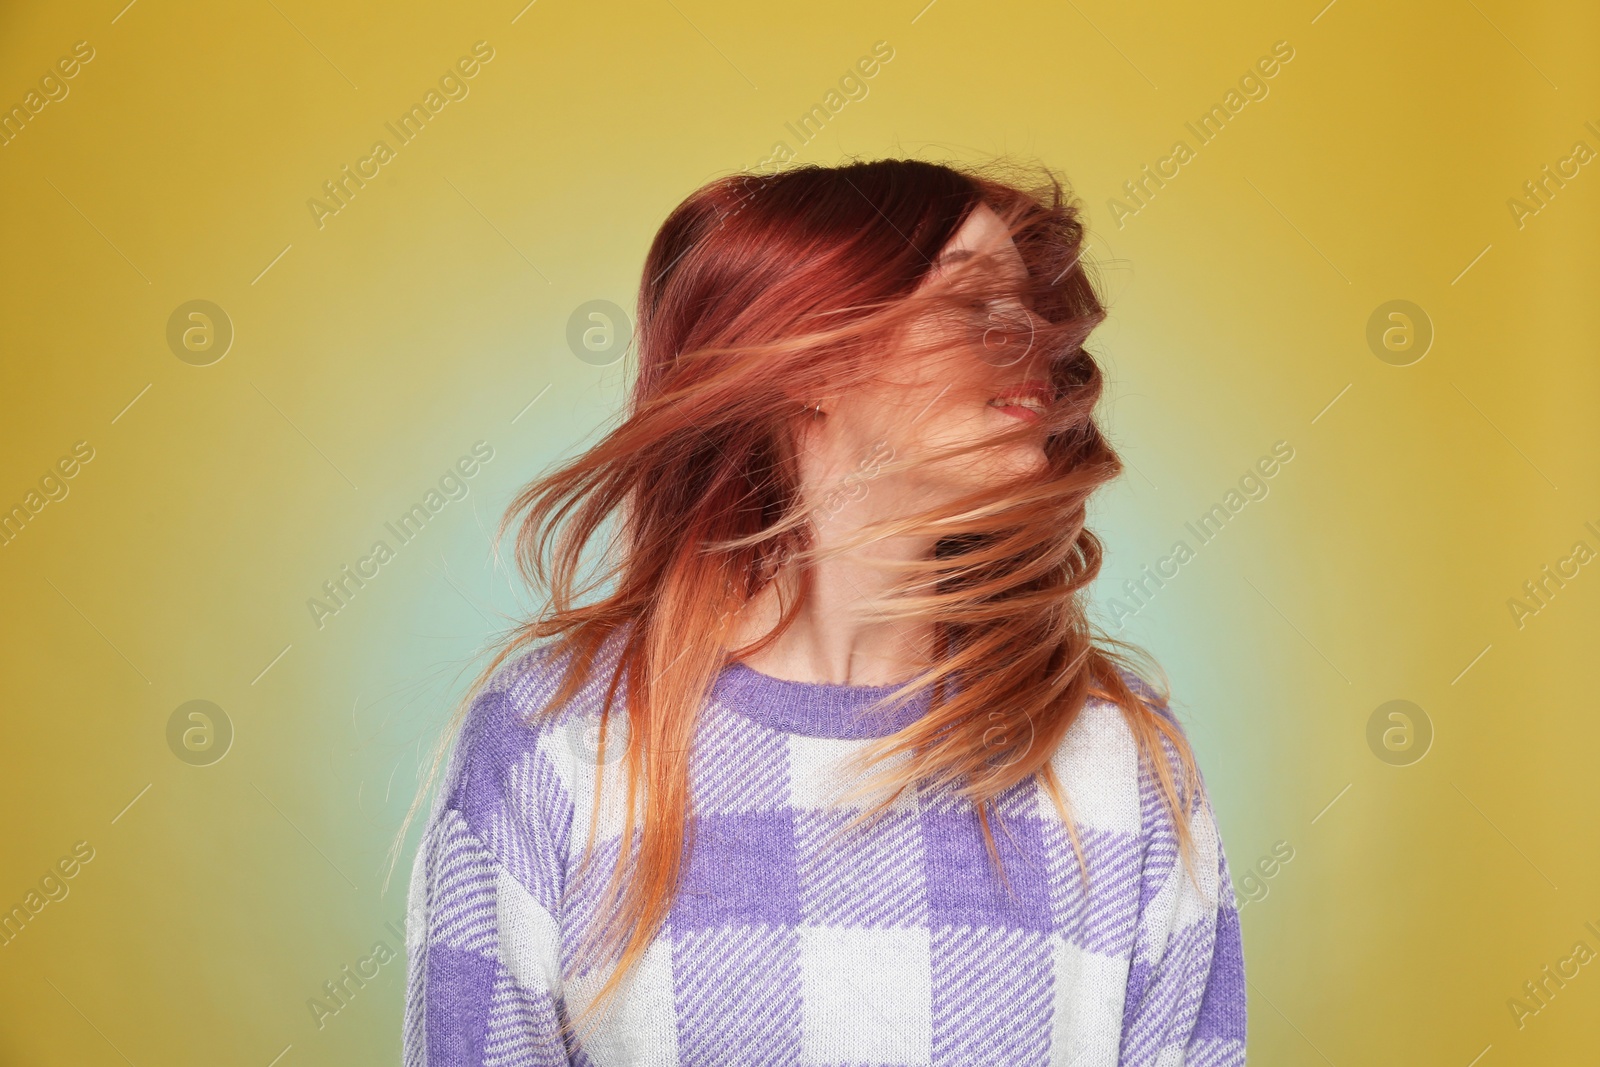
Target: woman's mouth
(1025,400)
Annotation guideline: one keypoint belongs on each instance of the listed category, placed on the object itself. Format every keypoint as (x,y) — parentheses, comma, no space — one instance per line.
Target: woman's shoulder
(1106,775)
(1102,729)
(513,742)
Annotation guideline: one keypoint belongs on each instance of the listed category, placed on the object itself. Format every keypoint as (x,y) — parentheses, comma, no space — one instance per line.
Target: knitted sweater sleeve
(483,970)
(1185,1001)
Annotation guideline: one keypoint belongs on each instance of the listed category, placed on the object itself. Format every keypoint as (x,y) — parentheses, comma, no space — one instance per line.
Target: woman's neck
(840,634)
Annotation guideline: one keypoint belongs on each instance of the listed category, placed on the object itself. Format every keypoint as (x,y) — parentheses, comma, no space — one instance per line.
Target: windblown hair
(761,293)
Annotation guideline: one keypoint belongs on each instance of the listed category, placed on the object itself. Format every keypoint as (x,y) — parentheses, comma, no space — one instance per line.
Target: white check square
(866,996)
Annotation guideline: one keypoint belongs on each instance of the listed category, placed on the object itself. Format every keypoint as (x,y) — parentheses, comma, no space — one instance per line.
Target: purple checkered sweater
(789,944)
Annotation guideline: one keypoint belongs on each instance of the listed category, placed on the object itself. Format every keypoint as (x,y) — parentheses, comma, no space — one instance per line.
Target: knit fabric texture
(792,943)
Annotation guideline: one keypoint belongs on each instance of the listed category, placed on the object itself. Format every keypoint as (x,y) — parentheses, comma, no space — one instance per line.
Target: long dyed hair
(761,293)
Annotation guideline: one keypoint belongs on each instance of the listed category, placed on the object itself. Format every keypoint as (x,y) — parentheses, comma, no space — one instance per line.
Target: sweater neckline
(815,709)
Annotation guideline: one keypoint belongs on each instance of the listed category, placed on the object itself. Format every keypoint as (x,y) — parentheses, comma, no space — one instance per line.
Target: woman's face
(942,392)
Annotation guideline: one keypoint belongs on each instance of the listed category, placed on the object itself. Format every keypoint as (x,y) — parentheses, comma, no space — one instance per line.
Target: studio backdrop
(296,296)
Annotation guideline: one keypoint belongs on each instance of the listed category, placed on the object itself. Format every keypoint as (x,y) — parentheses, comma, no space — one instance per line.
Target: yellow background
(372,352)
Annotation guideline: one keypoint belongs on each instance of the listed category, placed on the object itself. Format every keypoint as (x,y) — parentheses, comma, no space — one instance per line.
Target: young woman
(823,762)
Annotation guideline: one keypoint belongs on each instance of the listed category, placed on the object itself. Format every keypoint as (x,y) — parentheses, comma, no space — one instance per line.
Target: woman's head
(964,372)
(893,336)
(823,348)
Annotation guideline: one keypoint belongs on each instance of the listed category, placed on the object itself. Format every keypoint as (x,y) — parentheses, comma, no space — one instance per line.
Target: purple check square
(963,886)
(741,871)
